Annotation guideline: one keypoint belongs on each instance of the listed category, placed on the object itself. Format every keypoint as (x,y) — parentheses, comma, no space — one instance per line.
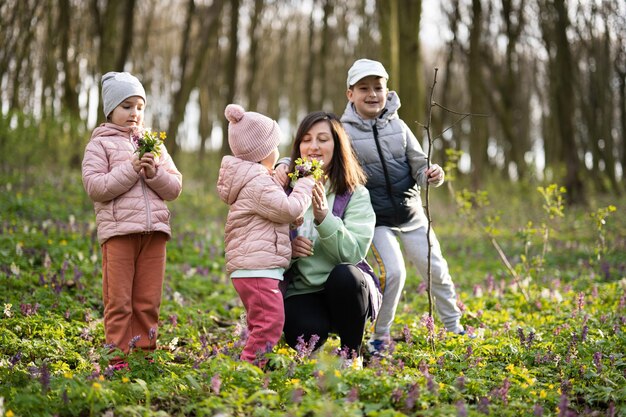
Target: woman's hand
(301,247)
(320,204)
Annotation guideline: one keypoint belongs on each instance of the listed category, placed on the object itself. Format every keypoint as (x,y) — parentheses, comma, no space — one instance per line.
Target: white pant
(388,253)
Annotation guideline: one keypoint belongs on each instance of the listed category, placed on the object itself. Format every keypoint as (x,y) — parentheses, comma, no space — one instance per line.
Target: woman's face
(318,143)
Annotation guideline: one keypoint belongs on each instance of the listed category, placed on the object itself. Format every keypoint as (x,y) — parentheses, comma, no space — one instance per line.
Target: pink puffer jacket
(126,202)
(257,226)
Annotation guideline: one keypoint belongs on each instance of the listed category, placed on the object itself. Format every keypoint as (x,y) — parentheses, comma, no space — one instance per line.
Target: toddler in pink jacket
(258,248)
(129,193)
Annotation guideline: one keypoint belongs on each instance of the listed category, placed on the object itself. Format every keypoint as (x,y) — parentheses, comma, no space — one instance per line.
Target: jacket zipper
(145,196)
(385,172)
(148,210)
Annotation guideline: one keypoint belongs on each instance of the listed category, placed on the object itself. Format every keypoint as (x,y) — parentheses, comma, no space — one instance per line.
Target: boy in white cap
(396,167)
(132,218)
(258,248)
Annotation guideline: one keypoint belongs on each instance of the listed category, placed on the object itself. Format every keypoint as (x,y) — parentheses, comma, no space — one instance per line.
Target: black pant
(341,308)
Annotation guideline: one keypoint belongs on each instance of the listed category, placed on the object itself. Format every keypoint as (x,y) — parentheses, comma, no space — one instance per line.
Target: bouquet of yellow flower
(304,168)
(148,141)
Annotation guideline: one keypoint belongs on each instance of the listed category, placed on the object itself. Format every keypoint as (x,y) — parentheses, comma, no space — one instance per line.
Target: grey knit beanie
(117,87)
(251,136)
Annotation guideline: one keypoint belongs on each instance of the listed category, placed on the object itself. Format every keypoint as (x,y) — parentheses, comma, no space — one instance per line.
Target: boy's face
(369,96)
(129,113)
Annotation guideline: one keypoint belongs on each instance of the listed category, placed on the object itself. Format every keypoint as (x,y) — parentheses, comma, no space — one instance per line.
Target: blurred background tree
(551,75)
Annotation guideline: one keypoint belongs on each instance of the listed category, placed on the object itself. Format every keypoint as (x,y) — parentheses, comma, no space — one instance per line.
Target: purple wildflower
(597,361)
(469,351)
(460,383)
(406,332)
(429,323)
(305,349)
(296,395)
(173,318)
(520,335)
(538,410)
(563,406)
(152,333)
(216,384)
(461,411)
(483,405)
(15,359)
(44,377)
(353,395)
(581,301)
(133,342)
(396,395)
(411,397)
(584,332)
(490,283)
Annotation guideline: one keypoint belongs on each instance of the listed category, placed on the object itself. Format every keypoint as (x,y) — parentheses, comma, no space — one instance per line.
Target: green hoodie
(344,240)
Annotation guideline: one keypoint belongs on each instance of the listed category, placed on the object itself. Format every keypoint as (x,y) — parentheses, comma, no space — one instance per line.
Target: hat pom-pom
(234,113)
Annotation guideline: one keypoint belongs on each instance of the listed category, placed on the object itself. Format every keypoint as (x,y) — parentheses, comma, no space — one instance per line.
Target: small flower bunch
(305,168)
(148,141)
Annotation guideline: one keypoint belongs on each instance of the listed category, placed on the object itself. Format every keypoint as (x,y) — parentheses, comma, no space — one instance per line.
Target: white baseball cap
(363,68)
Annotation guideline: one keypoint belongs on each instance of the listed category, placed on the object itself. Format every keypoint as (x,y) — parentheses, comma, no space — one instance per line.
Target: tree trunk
(555,25)
(411,89)
(231,65)
(253,58)
(479,132)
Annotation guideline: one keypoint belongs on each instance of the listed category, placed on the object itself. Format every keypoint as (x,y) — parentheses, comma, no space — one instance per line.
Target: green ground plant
(559,352)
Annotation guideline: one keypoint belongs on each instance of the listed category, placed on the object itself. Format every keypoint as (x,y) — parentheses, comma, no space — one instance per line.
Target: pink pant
(133,267)
(266,314)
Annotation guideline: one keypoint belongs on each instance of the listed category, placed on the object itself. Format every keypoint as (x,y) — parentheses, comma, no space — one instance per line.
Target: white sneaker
(377,347)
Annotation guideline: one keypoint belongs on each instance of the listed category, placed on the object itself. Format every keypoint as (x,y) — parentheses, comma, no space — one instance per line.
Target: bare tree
(231,62)
(555,23)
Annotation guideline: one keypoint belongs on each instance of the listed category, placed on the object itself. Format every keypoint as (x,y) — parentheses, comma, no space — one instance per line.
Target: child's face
(129,113)
(318,143)
(369,96)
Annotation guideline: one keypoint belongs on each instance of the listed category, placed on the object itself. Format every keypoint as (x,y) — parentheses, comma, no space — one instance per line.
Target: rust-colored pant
(133,267)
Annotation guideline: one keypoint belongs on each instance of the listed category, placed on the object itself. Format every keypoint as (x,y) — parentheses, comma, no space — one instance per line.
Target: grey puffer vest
(381,147)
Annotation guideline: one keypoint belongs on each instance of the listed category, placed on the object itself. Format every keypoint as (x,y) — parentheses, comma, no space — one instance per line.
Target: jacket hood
(390,112)
(111,129)
(234,175)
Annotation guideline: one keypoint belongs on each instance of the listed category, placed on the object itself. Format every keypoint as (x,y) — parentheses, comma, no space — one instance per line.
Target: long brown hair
(343,171)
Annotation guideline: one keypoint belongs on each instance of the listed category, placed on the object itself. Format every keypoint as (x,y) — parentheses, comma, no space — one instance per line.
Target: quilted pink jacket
(257,226)
(126,202)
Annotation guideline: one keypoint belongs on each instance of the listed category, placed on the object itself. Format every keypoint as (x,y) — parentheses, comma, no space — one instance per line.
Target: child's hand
(149,165)
(297,223)
(280,173)
(435,174)
(136,163)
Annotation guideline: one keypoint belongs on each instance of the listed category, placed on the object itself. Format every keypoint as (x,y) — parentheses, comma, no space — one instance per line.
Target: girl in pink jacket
(129,191)
(258,249)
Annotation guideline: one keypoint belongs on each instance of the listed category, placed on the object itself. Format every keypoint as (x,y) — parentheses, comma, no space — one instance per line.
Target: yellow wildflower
(125,380)
(162,136)
(9,413)
(337,373)
(96,386)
